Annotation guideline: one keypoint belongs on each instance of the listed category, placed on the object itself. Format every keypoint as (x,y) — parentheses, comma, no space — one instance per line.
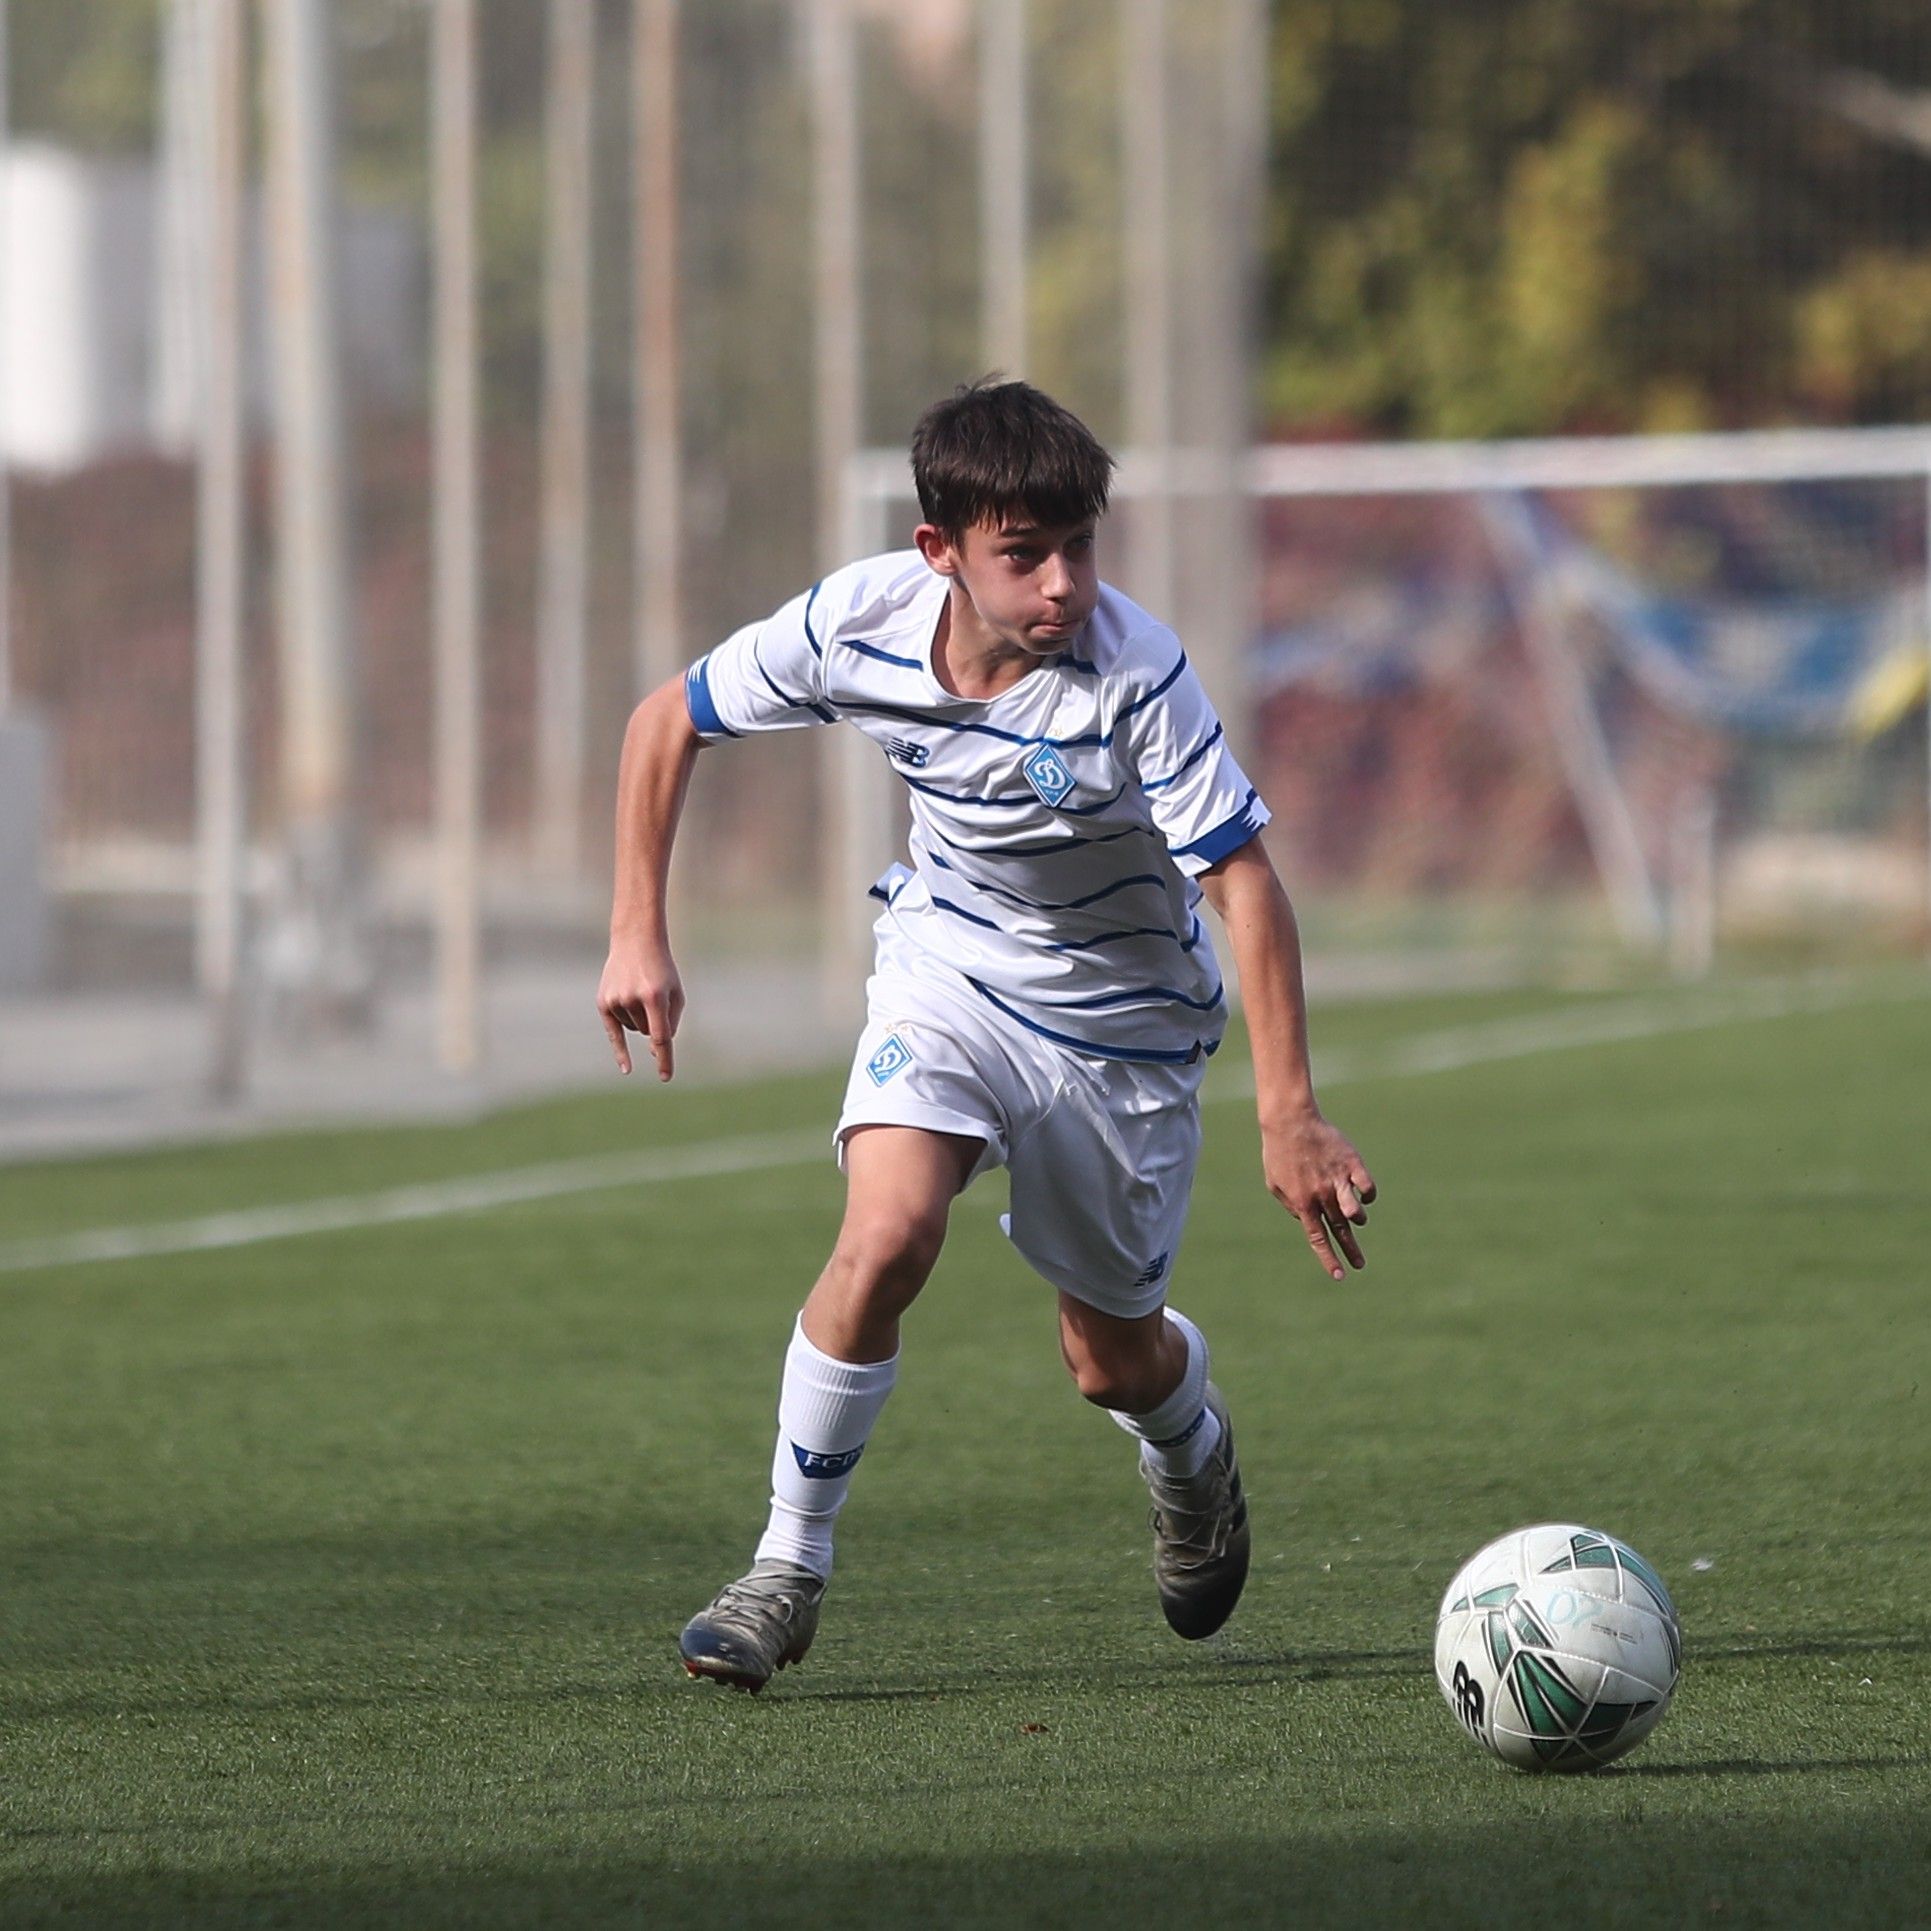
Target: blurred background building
(1519,417)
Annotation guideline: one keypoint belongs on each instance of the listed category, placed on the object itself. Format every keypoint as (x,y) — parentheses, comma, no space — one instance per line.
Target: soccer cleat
(754,1626)
(1200,1538)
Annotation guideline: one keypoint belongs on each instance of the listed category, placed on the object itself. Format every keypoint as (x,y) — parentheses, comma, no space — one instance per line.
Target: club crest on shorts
(1046,772)
(892,1057)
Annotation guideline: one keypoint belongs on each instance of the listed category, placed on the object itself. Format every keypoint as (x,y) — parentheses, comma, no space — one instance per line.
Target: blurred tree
(1508,216)
(84,74)
(1495,217)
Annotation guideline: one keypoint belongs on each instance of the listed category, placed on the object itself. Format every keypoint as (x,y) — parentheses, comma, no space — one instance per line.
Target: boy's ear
(938,549)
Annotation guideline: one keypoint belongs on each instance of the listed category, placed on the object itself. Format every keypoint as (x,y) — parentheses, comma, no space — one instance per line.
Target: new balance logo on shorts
(815,1467)
(1046,772)
(1152,1271)
(890,1058)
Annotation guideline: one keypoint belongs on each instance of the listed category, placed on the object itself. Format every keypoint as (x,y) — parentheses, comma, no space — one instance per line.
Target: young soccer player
(1045,994)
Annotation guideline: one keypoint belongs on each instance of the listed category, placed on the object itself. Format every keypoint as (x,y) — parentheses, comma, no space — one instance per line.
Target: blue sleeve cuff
(698,700)
(1228,836)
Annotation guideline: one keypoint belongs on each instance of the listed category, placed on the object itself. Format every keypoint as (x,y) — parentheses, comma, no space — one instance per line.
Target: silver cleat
(1200,1536)
(754,1626)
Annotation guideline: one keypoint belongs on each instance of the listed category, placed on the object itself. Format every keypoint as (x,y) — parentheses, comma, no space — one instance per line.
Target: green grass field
(341,1573)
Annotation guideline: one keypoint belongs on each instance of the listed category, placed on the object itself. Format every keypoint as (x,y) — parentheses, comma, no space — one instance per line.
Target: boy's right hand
(641,993)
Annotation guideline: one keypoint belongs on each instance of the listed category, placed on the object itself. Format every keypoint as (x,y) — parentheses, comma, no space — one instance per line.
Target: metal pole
(1231,597)
(838,335)
(458,706)
(6,451)
(659,533)
(220,553)
(318,947)
(857,786)
(1004,171)
(1927,712)
(563,595)
(1148,212)
(181,243)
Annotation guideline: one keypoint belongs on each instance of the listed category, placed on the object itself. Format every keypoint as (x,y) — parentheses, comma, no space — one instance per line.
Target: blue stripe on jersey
(1199,751)
(883,656)
(1180,1058)
(1228,836)
(1131,993)
(977,730)
(1074,945)
(965,798)
(1098,739)
(811,636)
(699,702)
(1090,811)
(1127,710)
(1044,849)
(794,703)
(1030,798)
(1133,932)
(959,911)
(1050,905)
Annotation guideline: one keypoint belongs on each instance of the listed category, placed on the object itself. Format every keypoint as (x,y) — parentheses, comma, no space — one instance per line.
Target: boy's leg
(839,1369)
(1100,1188)
(843,1359)
(1150,1372)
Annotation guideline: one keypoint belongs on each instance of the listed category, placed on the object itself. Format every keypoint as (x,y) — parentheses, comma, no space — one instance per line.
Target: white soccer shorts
(1101,1153)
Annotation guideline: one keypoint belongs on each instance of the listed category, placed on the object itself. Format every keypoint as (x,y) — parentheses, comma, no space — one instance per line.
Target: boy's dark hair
(995,448)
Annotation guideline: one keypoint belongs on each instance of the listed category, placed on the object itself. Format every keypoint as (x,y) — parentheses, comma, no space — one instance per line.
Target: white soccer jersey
(1056,828)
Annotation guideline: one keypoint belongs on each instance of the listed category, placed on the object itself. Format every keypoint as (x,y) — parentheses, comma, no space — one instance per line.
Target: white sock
(1177,1437)
(825,1413)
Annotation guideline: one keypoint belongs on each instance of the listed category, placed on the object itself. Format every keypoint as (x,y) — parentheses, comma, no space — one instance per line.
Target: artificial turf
(341,1574)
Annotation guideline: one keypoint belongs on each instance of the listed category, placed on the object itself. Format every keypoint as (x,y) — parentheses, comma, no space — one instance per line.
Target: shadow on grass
(1198,1671)
(1762,1767)
(1509,1870)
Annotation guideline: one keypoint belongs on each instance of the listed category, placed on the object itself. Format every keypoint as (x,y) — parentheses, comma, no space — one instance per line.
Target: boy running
(1045,995)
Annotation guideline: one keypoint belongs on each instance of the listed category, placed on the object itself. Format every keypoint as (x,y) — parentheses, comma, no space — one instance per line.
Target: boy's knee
(1126,1369)
(1106,1386)
(889,1256)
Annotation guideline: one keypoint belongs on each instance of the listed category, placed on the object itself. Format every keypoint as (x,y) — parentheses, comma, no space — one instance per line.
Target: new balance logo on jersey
(1152,1272)
(904,751)
(1046,772)
(890,1058)
(815,1467)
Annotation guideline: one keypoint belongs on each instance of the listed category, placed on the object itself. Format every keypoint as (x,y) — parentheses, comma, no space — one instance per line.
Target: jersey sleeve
(769,676)
(1201,799)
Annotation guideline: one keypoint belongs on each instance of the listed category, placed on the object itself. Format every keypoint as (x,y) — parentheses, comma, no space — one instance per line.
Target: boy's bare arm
(641,991)
(1310,1166)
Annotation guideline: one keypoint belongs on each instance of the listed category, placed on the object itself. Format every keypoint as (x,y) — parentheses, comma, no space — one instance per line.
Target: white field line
(1608,1024)
(1421,1053)
(475,1192)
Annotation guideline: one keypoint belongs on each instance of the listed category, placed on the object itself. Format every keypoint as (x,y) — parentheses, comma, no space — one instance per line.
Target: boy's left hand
(1312,1169)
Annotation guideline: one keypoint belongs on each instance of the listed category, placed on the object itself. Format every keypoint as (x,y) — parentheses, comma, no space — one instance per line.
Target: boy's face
(1032,586)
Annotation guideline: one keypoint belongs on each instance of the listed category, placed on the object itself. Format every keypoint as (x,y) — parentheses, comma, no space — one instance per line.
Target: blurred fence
(728,251)
(801,219)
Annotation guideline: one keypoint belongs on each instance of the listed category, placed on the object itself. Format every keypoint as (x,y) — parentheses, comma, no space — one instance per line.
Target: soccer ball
(1558,1648)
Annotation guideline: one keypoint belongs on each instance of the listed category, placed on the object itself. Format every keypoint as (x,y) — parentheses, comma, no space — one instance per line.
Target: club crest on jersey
(815,1467)
(1046,772)
(890,1058)
(904,751)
